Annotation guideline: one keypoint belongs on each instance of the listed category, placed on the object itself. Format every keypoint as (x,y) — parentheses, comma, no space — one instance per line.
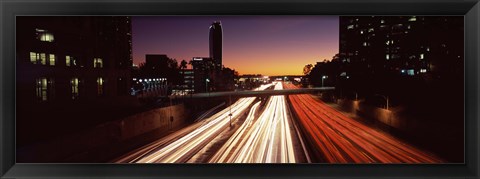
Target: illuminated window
(67,61)
(74,82)
(370,30)
(387,57)
(364,44)
(43,58)
(411,72)
(350,27)
(34,57)
(41,89)
(382,21)
(97,63)
(100,86)
(361,32)
(421,56)
(428,49)
(70,61)
(387,42)
(51,59)
(44,36)
(412,19)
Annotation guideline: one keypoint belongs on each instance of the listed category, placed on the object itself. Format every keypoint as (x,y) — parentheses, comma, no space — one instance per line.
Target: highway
(269,134)
(267,139)
(340,139)
(180,146)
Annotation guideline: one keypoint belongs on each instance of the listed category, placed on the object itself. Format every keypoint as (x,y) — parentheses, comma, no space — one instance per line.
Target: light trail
(341,139)
(182,148)
(269,139)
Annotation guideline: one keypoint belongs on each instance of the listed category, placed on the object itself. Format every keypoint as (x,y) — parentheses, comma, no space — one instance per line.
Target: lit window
(382,21)
(74,82)
(387,42)
(364,44)
(100,86)
(387,57)
(97,63)
(421,56)
(428,49)
(412,19)
(34,57)
(70,61)
(67,61)
(41,89)
(44,36)
(51,59)
(423,70)
(370,30)
(361,32)
(411,72)
(43,58)
(350,27)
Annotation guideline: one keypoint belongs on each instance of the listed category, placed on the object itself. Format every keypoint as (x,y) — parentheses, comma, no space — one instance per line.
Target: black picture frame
(10,9)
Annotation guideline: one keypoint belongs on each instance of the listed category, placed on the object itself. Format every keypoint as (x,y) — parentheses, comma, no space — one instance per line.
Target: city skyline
(250,43)
(382,99)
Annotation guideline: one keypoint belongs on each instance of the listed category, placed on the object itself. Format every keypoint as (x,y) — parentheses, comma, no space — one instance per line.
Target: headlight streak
(179,150)
(269,139)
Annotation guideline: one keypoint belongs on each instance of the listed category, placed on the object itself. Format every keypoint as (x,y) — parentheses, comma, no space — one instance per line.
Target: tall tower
(216,43)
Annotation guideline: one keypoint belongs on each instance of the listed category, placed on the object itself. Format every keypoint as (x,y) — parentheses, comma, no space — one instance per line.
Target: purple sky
(268,45)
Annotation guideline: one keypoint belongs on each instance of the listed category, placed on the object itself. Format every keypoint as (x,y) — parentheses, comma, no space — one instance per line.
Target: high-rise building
(216,44)
(204,77)
(70,68)
(406,45)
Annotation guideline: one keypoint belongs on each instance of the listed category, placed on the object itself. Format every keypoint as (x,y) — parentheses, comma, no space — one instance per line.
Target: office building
(204,76)
(71,68)
(405,45)
(216,44)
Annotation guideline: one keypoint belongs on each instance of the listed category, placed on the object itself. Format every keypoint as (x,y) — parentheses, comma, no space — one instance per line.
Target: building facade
(71,65)
(204,74)
(405,45)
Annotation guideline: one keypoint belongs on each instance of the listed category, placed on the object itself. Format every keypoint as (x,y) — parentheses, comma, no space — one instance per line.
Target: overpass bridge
(262,93)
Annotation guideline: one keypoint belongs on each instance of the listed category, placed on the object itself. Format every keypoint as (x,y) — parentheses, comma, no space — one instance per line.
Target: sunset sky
(267,45)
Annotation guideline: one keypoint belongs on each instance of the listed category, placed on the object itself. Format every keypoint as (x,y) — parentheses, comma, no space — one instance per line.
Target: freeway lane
(179,149)
(341,139)
(268,140)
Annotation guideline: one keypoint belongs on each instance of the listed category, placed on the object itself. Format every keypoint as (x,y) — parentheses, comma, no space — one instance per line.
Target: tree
(307,69)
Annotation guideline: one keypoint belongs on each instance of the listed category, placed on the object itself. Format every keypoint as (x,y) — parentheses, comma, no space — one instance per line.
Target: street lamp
(206,84)
(384,97)
(323,78)
(230,113)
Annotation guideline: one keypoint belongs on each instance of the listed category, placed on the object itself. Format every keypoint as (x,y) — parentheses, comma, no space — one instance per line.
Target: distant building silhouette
(188,86)
(203,70)
(216,44)
(70,69)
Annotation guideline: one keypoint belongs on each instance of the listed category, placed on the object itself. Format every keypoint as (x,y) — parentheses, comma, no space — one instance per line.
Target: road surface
(340,139)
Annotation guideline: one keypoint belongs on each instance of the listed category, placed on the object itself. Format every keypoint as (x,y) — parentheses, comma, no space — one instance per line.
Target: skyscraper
(71,71)
(216,44)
